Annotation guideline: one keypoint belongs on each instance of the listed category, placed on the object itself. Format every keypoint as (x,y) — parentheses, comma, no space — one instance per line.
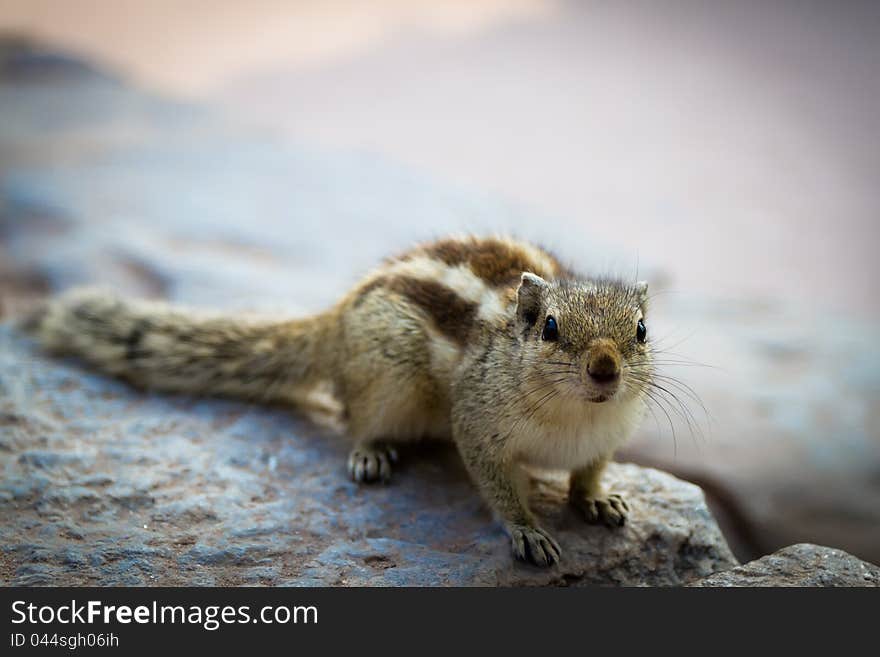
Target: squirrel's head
(589,338)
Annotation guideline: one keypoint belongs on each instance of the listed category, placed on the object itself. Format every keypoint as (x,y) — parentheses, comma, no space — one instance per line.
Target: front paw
(534,545)
(609,509)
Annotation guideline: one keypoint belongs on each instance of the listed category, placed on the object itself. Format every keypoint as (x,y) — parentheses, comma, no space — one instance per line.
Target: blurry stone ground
(101,183)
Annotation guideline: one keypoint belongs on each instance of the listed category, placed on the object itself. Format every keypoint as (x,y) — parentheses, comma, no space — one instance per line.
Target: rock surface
(799,565)
(102,484)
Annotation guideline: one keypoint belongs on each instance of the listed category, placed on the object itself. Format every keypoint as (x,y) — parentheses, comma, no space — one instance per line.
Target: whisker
(533,409)
(682,411)
(686,390)
(650,394)
(668,361)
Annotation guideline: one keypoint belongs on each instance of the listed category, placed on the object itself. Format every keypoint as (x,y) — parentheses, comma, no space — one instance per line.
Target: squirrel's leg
(504,487)
(385,384)
(373,455)
(586,493)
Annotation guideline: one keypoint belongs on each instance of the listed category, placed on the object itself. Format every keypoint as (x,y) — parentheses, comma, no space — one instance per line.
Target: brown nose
(603,368)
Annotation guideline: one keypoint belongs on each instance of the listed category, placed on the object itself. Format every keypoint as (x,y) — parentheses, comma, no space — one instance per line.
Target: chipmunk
(491,343)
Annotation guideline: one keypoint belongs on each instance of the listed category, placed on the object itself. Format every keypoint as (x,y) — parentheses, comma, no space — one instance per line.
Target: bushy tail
(160,347)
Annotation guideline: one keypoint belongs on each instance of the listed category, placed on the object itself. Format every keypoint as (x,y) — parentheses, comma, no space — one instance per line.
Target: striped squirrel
(490,342)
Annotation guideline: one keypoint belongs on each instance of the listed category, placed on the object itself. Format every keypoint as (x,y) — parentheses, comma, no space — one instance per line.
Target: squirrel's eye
(641,332)
(551,331)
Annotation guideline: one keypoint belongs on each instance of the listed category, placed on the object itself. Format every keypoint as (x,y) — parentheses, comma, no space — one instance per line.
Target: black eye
(551,331)
(641,332)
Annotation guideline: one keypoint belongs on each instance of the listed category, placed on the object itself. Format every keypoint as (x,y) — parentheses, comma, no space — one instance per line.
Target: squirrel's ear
(528,297)
(642,291)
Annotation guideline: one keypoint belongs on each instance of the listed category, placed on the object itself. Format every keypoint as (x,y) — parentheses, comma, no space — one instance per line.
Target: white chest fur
(572,434)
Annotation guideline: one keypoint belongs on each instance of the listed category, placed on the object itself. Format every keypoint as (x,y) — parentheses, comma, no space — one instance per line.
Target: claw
(534,545)
(371,463)
(611,510)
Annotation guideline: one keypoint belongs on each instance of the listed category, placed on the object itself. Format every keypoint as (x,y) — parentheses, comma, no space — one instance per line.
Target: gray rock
(169,490)
(799,565)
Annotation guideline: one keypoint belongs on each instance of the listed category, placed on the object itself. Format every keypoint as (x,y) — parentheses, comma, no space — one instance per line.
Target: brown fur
(496,261)
(451,314)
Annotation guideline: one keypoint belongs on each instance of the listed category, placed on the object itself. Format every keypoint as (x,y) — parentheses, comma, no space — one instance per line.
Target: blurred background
(265,154)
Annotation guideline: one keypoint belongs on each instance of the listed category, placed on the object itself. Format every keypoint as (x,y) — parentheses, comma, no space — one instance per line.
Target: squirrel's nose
(603,369)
